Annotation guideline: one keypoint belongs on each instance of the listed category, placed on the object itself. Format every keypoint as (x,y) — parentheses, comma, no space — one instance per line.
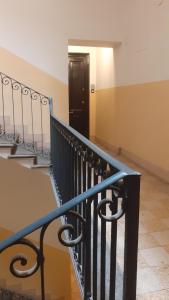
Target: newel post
(132,187)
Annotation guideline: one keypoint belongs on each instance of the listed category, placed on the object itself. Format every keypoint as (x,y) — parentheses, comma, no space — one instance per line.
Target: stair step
(7,148)
(6,145)
(44,168)
(38,166)
(24,157)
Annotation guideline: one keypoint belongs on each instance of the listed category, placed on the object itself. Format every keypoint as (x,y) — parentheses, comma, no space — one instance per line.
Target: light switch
(92,88)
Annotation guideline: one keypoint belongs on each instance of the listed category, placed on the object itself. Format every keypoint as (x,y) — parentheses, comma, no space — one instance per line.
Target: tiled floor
(153,255)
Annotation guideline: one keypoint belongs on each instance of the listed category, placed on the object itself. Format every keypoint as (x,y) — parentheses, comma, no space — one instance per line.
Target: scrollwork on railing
(44,100)
(70,228)
(112,216)
(23,260)
(21,118)
(5,79)
(20,261)
(25,90)
(16,85)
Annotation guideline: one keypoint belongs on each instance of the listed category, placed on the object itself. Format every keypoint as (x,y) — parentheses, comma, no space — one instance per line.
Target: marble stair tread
(40,166)
(6,145)
(24,159)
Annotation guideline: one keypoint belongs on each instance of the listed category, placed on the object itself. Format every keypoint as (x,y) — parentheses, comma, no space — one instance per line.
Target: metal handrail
(58,212)
(105,156)
(82,174)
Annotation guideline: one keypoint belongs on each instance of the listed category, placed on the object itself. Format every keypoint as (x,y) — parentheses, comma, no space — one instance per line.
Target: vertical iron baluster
(41,124)
(62,166)
(64,169)
(32,122)
(75,172)
(103,252)
(80,205)
(76,192)
(113,245)
(132,187)
(95,241)
(22,116)
(73,180)
(71,170)
(3,107)
(87,278)
(42,269)
(87,263)
(13,111)
(84,212)
(69,174)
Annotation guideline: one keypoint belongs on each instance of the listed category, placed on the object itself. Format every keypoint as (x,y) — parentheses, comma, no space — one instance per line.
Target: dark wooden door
(79,92)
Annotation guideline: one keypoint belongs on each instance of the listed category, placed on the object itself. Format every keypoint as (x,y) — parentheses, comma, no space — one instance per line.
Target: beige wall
(35,78)
(142,125)
(136,119)
(106,115)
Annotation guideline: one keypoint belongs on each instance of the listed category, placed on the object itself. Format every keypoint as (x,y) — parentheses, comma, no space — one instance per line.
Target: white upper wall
(144,53)
(38,30)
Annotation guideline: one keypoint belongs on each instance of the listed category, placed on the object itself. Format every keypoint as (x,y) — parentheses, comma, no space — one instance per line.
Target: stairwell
(29,152)
(85,182)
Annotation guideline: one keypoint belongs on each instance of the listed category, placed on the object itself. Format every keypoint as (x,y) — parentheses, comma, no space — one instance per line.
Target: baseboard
(146,165)
(107,146)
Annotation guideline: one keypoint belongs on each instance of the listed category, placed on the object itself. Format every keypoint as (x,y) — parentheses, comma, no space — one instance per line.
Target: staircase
(96,196)
(24,157)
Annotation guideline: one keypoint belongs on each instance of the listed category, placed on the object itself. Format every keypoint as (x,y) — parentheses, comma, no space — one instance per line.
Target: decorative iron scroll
(112,217)
(23,260)
(14,94)
(71,229)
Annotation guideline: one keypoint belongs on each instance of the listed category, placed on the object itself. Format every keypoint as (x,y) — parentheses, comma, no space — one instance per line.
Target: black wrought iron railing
(96,195)
(24,115)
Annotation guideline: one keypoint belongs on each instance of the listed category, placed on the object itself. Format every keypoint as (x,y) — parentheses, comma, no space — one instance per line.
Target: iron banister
(93,189)
(112,161)
(21,83)
(58,212)
(20,125)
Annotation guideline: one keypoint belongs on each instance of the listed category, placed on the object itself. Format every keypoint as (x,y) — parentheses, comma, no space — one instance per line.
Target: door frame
(87,55)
